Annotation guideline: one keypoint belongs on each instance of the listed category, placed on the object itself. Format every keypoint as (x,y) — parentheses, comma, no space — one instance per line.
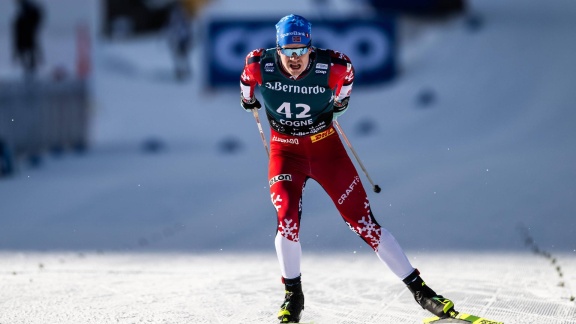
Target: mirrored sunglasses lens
(298,51)
(289,51)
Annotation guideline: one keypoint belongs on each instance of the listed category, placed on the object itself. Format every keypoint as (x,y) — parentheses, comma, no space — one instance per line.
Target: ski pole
(375,187)
(255,112)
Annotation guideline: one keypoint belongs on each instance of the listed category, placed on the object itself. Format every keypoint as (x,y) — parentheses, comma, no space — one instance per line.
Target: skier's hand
(248,105)
(340,107)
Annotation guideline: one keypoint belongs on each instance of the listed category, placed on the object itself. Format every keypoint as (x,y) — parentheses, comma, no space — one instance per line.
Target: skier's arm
(341,80)
(250,77)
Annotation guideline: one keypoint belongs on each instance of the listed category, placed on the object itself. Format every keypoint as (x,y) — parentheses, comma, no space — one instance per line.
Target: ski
(460,318)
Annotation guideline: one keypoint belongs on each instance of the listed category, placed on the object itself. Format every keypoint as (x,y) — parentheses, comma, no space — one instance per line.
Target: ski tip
(437,320)
(460,318)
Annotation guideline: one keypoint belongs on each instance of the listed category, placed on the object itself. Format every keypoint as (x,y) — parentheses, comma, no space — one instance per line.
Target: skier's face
(292,62)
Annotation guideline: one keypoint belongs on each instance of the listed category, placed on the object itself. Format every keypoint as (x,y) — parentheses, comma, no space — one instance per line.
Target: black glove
(340,107)
(250,104)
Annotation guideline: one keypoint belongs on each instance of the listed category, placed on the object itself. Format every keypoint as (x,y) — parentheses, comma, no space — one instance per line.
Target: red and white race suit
(318,155)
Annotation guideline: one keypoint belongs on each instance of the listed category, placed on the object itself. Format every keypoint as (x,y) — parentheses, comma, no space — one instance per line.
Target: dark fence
(40,117)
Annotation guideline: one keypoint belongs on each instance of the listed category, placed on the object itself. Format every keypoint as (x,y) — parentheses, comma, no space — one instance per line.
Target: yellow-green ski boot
(427,298)
(291,309)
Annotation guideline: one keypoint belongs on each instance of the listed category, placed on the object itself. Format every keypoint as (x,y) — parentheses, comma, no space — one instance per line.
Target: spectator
(25,28)
(180,39)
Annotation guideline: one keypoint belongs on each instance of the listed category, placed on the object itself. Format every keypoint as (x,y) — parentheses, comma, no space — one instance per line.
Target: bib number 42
(286,110)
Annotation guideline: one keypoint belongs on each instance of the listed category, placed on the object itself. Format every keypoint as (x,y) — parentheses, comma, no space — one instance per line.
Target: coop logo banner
(370,44)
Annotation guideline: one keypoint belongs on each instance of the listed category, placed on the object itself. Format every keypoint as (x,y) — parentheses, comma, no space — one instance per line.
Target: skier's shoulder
(341,70)
(336,57)
(255,56)
(340,65)
(251,73)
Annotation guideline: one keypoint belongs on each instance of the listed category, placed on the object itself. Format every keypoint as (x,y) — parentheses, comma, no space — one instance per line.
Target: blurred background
(121,129)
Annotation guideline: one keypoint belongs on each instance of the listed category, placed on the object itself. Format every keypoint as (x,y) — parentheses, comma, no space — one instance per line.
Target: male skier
(304,89)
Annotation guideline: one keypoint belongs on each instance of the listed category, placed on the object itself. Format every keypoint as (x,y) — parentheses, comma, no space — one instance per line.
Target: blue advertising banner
(370,44)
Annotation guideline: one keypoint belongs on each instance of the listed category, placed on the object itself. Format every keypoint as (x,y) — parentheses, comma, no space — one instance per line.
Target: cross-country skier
(304,89)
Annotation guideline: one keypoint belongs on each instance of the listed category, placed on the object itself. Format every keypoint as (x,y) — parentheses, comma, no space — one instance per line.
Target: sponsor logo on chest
(291,88)
(321,68)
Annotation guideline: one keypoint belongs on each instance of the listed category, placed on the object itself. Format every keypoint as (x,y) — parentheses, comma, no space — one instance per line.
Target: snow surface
(232,288)
(186,235)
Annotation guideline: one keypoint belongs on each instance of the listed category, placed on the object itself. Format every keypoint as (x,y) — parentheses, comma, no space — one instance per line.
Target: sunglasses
(298,51)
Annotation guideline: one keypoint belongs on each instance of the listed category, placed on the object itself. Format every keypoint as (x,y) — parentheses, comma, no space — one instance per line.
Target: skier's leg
(389,251)
(286,187)
(356,212)
(286,198)
(343,185)
(289,254)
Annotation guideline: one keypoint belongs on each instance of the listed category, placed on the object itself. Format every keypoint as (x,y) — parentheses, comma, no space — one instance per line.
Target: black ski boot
(291,309)
(427,298)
